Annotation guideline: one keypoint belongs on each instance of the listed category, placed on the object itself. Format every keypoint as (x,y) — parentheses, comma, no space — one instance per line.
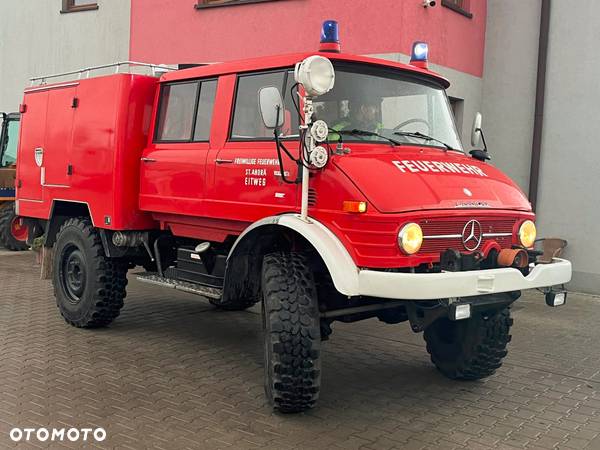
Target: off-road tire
(96,300)
(292,338)
(469,349)
(7,240)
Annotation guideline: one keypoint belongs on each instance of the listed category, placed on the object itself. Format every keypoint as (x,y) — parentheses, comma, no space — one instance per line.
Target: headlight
(527,234)
(410,238)
(316,74)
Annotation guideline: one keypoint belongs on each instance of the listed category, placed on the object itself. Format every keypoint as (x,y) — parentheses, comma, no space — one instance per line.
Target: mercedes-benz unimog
(324,186)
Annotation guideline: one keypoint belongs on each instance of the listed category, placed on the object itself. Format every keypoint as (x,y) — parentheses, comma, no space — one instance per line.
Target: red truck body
(201,178)
(92,153)
(92,133)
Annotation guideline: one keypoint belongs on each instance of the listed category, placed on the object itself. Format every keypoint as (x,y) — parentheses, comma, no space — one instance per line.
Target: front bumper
(429,286)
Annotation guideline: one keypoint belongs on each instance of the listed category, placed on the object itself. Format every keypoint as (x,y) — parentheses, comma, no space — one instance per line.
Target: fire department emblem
(39,156)
(471,235)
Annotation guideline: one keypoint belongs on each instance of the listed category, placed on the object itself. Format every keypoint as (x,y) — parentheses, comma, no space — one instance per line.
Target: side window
(206,102)
(12,137)
(247,122)
(291,119)
(176,114)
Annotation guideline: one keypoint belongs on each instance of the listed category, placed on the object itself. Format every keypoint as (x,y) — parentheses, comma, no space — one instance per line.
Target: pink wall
(172,31)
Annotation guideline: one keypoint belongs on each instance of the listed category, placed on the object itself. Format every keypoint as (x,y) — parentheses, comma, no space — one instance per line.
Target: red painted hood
(407,179)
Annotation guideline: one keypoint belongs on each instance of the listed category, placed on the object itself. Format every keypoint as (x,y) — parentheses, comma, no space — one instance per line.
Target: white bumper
(352,281)
(460,284)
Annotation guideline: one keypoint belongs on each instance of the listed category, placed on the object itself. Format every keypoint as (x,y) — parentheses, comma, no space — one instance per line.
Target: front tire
(292,338)
(469,349)
(89,287)
(12,234)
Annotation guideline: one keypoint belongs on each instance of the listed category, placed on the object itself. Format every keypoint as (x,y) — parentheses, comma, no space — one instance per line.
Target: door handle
(147,160)
(223,161)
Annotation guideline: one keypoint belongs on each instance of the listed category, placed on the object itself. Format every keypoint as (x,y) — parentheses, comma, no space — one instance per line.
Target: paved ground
(173,373)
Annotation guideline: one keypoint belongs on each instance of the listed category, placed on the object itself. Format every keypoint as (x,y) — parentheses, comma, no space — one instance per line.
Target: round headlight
(410,238)
(527,233)
(316,74)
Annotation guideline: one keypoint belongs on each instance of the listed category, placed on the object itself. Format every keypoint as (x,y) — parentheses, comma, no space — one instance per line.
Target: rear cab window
(185,111)
(247,122)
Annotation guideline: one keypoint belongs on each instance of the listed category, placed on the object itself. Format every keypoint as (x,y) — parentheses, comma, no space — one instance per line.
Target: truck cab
(324,186)
(13,233)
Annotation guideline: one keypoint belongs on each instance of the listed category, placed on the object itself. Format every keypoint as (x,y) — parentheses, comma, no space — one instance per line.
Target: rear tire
(89,287)
(469,349)
(7,239)
(292,338)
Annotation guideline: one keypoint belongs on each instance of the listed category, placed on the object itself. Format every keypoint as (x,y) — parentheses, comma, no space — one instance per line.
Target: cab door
(173,168)
(247,176)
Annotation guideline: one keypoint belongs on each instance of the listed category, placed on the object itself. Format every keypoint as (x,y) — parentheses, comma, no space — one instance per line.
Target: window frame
(191,140)
(205,4)
(69,6)
(464,11)
(286,73)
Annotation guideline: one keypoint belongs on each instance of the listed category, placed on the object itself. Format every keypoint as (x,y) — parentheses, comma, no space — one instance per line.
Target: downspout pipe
(540,91)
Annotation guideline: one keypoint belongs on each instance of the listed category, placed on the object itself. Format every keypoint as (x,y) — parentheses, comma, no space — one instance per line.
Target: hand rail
(155,67)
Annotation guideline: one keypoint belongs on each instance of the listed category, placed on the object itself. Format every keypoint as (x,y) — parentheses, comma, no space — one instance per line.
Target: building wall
(570,161)
(36,39)
(387,31)
(509,84)
(177,33)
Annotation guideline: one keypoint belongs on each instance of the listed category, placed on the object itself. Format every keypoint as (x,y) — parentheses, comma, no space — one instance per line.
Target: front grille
(453,226)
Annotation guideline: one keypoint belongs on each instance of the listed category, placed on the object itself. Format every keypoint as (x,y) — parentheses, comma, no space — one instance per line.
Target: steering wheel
(411,121)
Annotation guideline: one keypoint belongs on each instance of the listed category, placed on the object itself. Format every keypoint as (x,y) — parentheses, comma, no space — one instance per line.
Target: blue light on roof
(419,51)
(330,32)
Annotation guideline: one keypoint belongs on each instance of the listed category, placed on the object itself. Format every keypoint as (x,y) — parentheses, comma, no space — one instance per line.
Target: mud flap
(46,258)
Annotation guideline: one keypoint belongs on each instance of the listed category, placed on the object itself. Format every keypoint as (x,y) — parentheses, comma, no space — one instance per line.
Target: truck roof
(289,60)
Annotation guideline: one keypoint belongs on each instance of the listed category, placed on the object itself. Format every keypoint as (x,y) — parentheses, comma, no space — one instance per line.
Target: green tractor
(13,233)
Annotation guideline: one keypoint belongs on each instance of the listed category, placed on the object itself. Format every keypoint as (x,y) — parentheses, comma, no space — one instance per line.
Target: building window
(201,4)
(78,5)
(459,6)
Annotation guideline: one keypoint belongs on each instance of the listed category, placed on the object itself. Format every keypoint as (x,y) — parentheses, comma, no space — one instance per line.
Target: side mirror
(476,131)
(271,107)
(477,138)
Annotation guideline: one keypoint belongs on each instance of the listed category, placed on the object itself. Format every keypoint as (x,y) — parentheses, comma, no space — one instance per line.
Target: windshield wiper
(356,132)
(422,136)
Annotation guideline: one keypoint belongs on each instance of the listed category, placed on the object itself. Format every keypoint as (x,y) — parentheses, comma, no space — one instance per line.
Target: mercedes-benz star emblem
(471,235)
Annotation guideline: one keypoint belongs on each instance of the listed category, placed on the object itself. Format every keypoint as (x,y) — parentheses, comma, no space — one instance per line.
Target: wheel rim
(73,274)
(18,229)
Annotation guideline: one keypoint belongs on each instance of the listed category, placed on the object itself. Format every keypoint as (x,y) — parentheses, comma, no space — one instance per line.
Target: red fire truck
(327,186)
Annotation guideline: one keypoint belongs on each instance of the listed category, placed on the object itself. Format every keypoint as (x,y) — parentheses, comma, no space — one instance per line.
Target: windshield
(9,145)
(388,103)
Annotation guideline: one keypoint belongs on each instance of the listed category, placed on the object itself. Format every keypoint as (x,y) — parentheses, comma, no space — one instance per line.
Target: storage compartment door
(59,136)
(31,142)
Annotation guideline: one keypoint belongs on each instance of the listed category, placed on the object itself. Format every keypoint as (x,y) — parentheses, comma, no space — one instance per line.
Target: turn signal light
(354,207)
(527,234)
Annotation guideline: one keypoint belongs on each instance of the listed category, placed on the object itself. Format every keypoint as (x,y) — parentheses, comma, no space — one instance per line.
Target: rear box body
(82,141)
